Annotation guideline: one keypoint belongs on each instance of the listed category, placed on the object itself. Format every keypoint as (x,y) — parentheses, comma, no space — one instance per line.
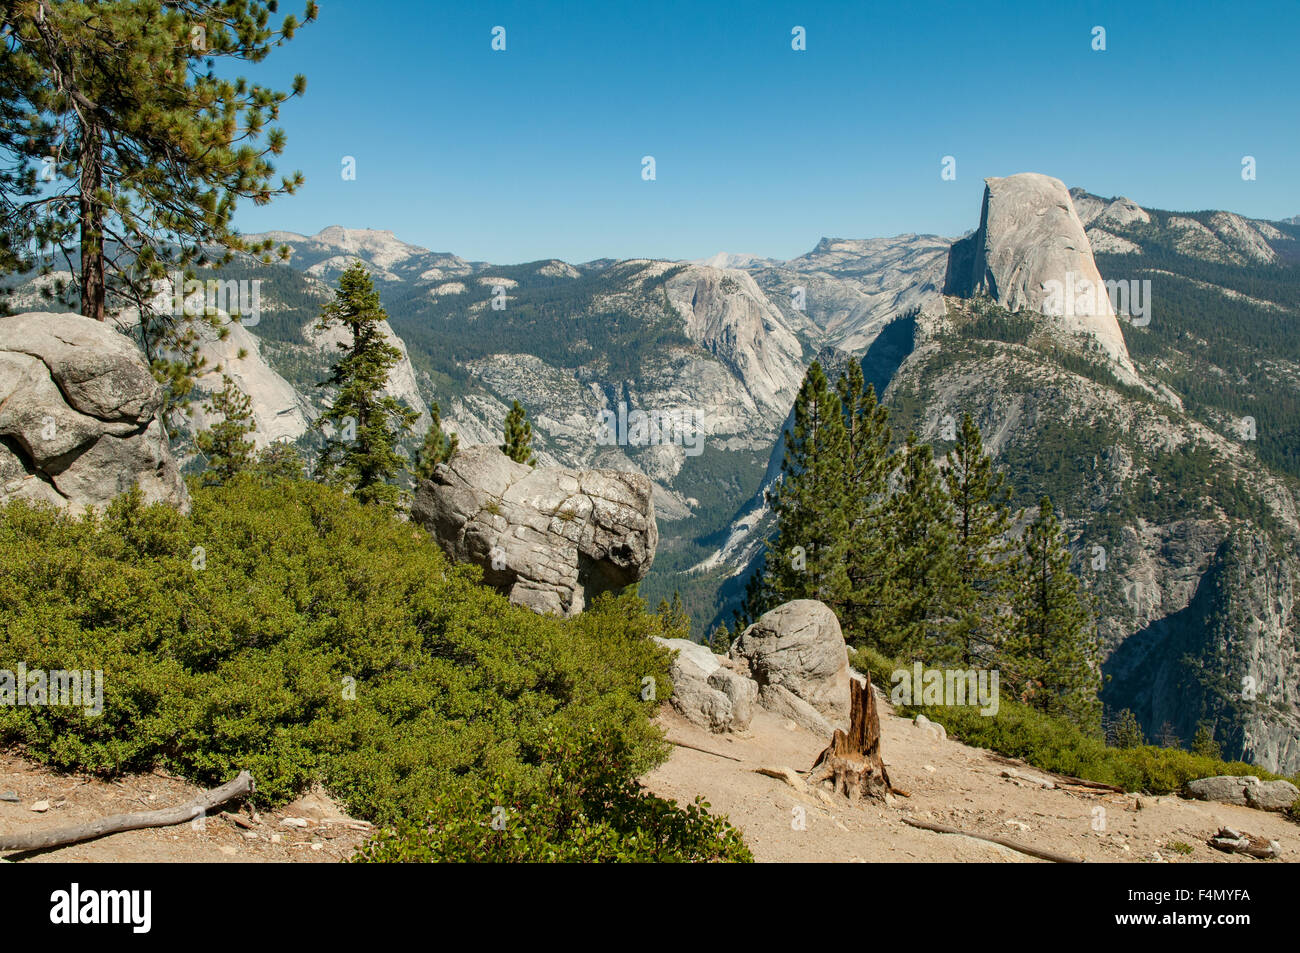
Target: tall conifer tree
(141,145)
(868,463)
(982,521)
(806,559)
(917,622)
(363,425)
(1051,652)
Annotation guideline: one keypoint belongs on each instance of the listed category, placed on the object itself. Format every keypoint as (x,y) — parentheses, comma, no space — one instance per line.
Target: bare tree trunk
(1003,841)
(241,786)
(92,226)
(852,761)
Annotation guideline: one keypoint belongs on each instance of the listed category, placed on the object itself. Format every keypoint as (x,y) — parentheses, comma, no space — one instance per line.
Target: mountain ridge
(730,335)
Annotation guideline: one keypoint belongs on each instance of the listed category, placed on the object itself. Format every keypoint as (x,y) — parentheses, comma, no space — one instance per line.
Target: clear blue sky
(535,152)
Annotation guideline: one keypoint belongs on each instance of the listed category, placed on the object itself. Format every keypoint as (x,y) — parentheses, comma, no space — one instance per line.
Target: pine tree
(363,425)
(1204,744)
(223,443)
(518,434)
(918,620)
(720,639)
(279,461)
(437,448)
(805,560)
(143,146)
(1128,732)
(1050,656)
(864,494)
(982,519)
(676,621)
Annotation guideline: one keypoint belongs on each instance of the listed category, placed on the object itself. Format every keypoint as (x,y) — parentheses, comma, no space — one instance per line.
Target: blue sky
(535,152)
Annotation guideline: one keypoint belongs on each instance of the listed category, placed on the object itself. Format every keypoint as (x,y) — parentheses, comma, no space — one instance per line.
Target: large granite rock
(1247,791)
(550,538)
(1030,235)
(796,654)
(708,689)
(79,418)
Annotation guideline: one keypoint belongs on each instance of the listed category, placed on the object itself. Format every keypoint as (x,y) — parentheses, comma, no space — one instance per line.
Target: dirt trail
(950,783)
(76,799)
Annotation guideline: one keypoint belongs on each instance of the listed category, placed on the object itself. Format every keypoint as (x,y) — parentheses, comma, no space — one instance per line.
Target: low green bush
(874,663)
(1054,744)
(283,628)
(1057,744)
(584,807)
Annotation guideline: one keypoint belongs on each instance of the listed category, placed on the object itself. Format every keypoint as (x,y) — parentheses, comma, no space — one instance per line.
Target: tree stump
(853,762)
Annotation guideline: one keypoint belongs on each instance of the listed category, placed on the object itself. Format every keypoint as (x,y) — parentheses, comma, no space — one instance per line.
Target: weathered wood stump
(852,761)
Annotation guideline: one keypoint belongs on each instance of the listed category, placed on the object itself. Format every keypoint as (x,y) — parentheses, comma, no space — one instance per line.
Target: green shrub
(283,628)
(866,659)
(1054,744)
(583,807)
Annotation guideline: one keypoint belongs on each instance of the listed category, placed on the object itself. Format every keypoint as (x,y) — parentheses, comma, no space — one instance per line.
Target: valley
(1139,443)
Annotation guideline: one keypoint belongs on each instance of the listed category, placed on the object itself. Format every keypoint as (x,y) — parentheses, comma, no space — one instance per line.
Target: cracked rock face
(550,538)
(79,416)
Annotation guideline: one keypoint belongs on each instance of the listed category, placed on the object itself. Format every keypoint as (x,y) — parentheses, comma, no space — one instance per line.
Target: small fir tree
(224,443)
(438,447)
(518,433)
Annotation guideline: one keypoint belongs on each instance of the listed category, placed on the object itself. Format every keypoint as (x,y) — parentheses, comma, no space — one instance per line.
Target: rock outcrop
(1030,235)
(797,656)
(792,662)
(1202,591)
(79,420)
(550,538)
(725,313)
(279,413)
(1246,791)
(710,690)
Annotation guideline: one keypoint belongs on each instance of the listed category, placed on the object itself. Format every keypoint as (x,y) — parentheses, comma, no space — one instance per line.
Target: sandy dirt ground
(949,783)
(327,837)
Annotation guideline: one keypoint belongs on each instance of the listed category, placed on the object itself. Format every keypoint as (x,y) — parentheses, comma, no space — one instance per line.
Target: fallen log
(1002,841)
(241,786)
(1060,779)
(716,754)
(1084,783)
(1239,842)
(788,775)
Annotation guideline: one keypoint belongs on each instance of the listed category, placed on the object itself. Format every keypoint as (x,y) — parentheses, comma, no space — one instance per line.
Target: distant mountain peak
(729,260)
(1031,238)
